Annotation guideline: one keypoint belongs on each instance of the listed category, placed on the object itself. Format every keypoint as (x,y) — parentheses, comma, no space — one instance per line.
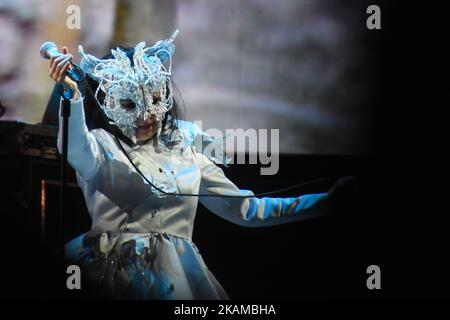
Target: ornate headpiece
(145,81)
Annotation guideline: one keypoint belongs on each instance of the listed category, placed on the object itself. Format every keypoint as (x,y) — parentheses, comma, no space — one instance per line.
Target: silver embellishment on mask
(142,82)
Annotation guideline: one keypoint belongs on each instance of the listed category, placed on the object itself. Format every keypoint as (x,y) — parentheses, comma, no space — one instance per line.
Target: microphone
(49,49)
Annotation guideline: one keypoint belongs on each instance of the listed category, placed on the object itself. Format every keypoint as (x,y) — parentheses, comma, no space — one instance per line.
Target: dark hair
(169,121)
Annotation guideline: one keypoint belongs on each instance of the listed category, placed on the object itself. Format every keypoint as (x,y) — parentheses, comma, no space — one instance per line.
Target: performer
(140,243)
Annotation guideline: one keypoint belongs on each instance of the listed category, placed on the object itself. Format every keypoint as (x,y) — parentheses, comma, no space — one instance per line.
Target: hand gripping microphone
(49,49)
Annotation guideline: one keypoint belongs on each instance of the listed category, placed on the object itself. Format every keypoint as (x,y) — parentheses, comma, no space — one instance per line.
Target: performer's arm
(84,152)
(254,212)
(83,149)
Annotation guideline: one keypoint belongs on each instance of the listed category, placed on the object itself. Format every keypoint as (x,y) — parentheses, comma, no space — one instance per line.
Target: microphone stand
(65,114)
(77,75)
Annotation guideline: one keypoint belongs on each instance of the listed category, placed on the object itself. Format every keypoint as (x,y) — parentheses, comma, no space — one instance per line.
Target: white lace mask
(136,90)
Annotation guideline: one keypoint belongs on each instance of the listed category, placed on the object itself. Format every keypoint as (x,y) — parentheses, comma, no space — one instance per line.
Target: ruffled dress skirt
(142,266)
